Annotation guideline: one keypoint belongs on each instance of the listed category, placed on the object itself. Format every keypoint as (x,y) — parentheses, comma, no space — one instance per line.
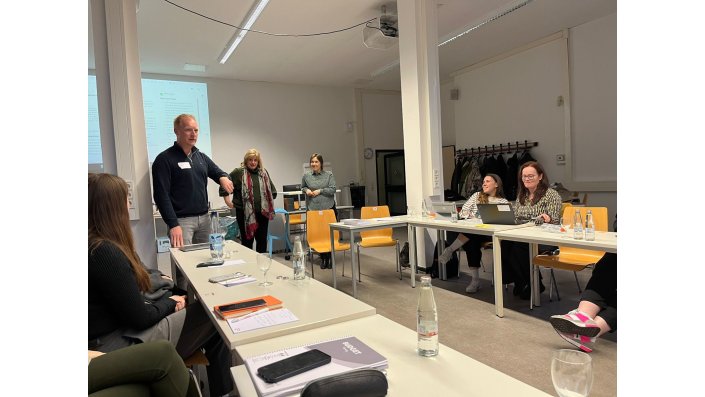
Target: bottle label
(427,328)
(216,245)
(299,267)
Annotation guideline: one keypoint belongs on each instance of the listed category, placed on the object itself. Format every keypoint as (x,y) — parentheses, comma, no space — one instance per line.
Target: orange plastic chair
(298,219)
(574,259)
(318,233)
(375,238)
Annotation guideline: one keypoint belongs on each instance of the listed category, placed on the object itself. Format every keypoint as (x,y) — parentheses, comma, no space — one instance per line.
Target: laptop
(436,204)
(497,214)
(445,208)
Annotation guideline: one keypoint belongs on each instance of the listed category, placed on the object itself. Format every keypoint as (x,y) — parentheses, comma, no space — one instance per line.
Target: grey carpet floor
(521,344)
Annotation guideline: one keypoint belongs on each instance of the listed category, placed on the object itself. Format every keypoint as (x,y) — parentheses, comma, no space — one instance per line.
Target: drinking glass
(571,372)
(225,222)
(264,262)
(566,222)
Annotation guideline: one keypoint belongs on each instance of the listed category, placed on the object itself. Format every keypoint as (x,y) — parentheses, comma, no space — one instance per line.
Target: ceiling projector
(383,36)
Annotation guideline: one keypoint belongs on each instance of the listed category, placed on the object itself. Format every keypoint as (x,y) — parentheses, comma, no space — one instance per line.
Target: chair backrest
(295,219)
(599,215)
(317,229)
(564,206)
(379,211)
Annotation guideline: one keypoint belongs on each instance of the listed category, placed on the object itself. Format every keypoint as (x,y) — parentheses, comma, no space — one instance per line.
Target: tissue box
(163,244)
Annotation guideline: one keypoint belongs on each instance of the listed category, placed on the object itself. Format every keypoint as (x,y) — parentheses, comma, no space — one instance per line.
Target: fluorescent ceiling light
(240,34)
(517,5)
(193,67)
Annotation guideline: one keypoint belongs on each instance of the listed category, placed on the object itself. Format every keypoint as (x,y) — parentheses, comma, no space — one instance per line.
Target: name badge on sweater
(184,165)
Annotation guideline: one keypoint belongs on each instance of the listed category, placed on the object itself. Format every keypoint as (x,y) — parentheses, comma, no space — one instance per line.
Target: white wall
(593,60)
(286,123)
(448,114)
(515,98)
(383,130)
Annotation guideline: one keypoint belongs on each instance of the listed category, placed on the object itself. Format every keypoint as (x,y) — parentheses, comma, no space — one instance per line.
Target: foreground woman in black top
(118,313)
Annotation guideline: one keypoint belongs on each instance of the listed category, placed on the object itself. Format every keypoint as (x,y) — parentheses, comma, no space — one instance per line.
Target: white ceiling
(169,37)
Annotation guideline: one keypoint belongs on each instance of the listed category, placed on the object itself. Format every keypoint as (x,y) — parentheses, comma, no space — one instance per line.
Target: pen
(248,315)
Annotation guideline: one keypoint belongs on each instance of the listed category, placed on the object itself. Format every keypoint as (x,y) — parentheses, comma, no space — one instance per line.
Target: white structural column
(115,38)
(420,91)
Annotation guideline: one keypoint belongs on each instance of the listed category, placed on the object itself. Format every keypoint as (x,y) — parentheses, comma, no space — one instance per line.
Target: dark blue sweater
(180,190)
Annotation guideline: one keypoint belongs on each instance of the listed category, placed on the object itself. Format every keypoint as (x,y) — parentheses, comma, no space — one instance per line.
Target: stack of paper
(347,354)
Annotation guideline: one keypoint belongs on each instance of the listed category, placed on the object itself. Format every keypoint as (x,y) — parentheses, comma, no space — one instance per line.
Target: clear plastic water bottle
(578,225)
(427,320)
(299,260)
(215,238)
(589,226)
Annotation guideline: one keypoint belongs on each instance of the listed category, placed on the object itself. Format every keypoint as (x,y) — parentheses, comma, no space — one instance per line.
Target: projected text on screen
(163,100)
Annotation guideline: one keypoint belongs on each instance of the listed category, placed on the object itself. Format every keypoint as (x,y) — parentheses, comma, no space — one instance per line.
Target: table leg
(411,233)
(441,247)
(535,276)
(332,257)
(288,233)
(354,263)
(498,285)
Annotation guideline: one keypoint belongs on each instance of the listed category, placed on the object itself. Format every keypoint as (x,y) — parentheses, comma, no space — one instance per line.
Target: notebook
(347,354)
(497,214)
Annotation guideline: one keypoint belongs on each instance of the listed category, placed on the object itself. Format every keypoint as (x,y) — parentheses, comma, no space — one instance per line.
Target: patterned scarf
(248,201)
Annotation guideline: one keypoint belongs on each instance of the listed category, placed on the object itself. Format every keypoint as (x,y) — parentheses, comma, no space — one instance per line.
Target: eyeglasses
(528,177)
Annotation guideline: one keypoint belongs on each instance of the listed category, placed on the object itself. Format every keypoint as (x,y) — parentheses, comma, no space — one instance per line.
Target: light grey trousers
(195,229)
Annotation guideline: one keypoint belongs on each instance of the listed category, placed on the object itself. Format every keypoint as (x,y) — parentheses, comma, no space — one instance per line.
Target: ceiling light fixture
(476,25)
(252,16)
(487,20)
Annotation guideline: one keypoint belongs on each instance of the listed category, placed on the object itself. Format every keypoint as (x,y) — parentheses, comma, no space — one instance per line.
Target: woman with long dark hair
(491,193)
(118,313)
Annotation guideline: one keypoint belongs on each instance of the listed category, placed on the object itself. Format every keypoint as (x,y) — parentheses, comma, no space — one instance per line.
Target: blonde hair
(250,154)
(177,120)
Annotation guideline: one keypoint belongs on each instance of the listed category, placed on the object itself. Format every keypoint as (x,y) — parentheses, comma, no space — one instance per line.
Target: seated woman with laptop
(536,202)
(491,193)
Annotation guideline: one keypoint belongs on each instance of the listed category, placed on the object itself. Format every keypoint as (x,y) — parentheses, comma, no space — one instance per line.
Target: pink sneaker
(582,342)
(575,322)
(576,328)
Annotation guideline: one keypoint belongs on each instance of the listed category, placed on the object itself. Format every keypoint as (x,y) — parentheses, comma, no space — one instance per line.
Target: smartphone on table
(294,365)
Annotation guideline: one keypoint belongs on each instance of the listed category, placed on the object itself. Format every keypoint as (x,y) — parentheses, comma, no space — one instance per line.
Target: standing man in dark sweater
(180,176)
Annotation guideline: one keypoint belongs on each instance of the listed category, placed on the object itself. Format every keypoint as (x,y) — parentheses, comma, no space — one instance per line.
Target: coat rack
(496,149)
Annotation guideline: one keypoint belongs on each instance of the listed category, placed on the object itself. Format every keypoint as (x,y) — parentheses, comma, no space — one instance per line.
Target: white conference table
(450,373)
(364,225)
(472,226)
(314,303)
(604,241)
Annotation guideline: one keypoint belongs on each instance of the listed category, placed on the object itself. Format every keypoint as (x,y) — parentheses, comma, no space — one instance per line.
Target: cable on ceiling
(269,33)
